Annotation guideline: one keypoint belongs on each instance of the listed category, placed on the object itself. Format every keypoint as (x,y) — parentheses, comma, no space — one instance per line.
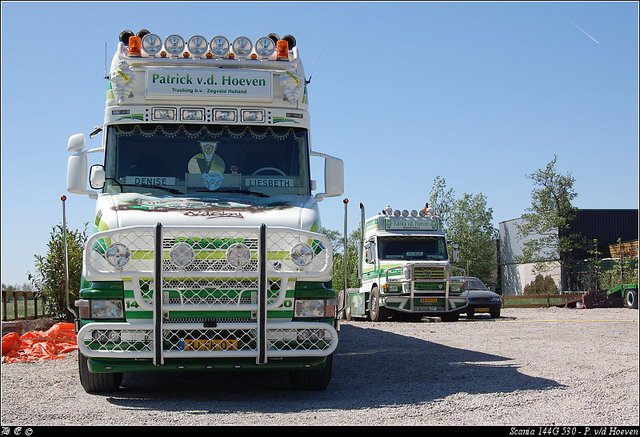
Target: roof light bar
(219,46)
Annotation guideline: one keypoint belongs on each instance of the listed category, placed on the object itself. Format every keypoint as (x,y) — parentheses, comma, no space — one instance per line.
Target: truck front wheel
(377,313)
(97,382)
(312,379)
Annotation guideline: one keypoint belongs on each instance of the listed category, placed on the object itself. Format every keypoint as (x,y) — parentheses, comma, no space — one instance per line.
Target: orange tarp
(39,345)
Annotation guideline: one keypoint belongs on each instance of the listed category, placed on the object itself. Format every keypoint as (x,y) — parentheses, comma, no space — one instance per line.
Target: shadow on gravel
(371,368)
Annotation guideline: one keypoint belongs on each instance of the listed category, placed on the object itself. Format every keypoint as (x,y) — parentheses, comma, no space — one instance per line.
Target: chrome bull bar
(147,254)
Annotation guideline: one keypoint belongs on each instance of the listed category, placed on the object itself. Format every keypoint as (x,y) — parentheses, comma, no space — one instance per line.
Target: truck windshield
(412,248)
(198,160)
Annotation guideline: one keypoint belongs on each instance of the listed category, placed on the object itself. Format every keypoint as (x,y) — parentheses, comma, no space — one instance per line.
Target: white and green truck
(206,254)
(405,269)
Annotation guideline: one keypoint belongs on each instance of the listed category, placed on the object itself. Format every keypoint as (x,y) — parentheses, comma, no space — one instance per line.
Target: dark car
(481,300)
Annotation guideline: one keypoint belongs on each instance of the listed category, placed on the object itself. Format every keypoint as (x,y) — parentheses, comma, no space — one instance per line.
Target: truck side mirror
(77,167)
(333,176)
(455,255)
(97,176)
(76,143)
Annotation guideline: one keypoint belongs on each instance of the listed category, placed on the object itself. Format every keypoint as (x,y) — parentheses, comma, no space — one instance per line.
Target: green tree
(541,285)
(337,241)
(49,278)
(470,225)
(546,223)
(442,200)
(468,222)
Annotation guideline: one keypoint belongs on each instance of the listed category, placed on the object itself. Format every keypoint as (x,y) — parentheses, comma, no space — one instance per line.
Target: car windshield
(412,248)
(474,284)
(166,159)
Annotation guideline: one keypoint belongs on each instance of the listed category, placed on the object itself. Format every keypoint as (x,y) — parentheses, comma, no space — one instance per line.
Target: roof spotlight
(242,46)
(219,45)
(151,43)
(197,45)
(174,44)
(265,46)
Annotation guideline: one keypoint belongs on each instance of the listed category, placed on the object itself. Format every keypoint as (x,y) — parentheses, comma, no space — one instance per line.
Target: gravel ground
(552,366)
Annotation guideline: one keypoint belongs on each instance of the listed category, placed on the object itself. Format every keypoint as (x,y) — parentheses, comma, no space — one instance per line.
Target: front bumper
(425,305)
(207,307)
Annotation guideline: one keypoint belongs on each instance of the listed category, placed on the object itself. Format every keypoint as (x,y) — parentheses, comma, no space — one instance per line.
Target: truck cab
(405,269)
(206,253)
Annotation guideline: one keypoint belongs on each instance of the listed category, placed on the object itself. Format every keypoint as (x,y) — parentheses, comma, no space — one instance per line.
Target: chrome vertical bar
(262,295)
(158,358)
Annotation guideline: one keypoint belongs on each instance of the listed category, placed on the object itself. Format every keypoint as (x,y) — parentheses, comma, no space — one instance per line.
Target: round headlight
(118,255)
(219,45)
(265,46)
(174,44)
(301,254)
(181,254)
(151,43)
(242,46)
(197,45)
(238,255)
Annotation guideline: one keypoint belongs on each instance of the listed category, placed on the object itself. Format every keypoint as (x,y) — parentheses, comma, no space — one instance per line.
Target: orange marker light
(282,51)
(135,44)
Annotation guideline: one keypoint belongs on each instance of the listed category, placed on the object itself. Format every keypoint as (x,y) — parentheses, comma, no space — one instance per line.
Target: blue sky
(481,94)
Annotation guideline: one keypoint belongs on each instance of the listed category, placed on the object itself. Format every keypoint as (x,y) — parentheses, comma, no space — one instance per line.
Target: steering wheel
(268,168)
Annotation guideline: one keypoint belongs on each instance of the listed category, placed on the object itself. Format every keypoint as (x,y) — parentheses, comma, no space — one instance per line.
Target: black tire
(495,314)
(631,299)
(312,379)
(376,312)
(451,317)
(97,382)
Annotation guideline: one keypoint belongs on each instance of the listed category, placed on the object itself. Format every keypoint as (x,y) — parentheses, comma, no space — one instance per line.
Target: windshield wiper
(235,191)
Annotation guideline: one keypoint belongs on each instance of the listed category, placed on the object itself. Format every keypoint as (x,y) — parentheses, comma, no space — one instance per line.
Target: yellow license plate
(428,300)
(482,310)
(211,345)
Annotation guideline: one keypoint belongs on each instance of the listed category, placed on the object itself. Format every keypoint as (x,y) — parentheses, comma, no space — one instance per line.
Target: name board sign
(149,180)
(277,182)
(410,224)
(207,83)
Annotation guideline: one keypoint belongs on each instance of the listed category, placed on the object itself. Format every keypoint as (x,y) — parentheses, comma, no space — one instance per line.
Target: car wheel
(495,314)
